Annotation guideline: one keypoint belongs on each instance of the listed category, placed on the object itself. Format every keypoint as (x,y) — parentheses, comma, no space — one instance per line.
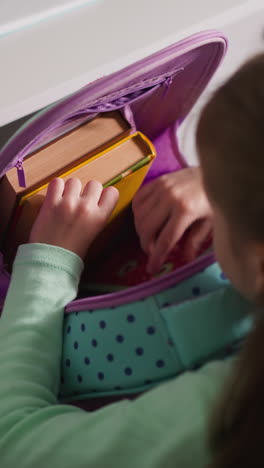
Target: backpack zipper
(21,174)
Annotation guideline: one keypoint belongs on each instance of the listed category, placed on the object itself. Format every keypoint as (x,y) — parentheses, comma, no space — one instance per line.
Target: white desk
(51,59)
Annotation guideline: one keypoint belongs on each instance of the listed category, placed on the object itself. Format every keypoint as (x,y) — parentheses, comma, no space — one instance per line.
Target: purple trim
(141,291)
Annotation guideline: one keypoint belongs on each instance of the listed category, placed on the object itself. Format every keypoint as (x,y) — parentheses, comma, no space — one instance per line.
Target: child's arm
(164,427)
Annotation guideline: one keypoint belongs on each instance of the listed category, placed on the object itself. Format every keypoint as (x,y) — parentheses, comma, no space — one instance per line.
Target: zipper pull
(21,174)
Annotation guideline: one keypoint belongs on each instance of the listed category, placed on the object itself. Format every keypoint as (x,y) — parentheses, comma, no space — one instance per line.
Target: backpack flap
(154,94)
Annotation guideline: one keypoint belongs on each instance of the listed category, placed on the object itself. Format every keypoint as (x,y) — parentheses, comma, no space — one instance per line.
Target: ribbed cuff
(50,256)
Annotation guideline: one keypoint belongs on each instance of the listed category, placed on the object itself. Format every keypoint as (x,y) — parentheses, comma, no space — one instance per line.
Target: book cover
(87,140)
(123,165)
(58,156)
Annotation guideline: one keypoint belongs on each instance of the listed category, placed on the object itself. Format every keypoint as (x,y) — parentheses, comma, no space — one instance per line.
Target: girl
(230,144)
(167,426)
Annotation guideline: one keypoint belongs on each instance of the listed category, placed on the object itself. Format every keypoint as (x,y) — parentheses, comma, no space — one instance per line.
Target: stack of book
(103,148)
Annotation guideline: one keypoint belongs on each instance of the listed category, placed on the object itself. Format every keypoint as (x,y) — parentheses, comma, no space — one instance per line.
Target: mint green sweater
(166,427)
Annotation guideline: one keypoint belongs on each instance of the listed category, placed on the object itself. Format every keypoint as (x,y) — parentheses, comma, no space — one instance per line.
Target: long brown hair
(230,140)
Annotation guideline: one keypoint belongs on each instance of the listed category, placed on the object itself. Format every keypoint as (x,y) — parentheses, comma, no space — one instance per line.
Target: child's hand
(165,208)
(70,218)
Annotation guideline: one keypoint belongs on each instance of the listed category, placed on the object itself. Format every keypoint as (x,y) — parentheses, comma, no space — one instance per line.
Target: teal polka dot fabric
(134,346)
(112,350)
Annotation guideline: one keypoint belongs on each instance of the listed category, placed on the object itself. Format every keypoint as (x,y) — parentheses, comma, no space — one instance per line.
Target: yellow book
(60,154)
(124,165)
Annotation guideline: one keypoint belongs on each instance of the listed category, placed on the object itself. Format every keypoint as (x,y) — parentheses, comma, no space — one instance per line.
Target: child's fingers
(92,190)
(143,194)
(54,191)
(108,200)
(149,226)
(199,233)
(72,188)
(145,208)
(167,239)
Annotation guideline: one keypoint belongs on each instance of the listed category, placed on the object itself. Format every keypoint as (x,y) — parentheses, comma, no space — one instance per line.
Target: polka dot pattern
(131,318)
(160,363)
(204,282)
(128,371)
(125,347)
(119,338)
(196,291)
(107,354)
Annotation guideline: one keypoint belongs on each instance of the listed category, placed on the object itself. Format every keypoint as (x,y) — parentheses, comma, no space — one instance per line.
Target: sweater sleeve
(165,427)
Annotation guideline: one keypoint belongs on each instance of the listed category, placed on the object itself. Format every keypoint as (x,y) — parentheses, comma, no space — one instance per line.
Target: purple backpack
(155,95)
